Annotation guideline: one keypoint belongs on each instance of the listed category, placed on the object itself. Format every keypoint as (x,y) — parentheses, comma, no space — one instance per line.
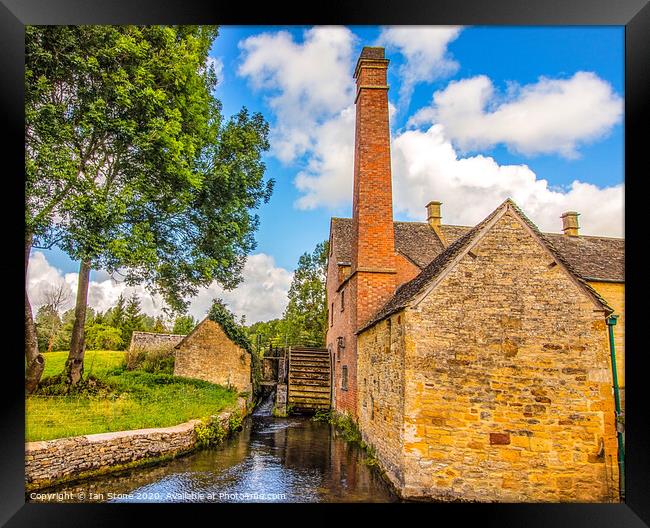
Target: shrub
(155,360)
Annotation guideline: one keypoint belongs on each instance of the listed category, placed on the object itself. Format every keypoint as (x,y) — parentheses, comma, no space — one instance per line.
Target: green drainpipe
(611,322)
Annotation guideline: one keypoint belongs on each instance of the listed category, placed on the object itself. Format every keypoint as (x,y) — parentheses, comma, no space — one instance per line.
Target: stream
(270,460)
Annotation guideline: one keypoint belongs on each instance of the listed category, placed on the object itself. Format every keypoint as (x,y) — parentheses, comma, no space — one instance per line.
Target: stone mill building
(476,360)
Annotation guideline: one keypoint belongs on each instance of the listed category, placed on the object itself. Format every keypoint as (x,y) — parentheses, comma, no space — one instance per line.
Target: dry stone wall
(152,341)
(53,461)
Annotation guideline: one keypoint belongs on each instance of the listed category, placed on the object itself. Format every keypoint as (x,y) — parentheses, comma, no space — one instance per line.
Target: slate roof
(592,258)
(405,293)
(415,240)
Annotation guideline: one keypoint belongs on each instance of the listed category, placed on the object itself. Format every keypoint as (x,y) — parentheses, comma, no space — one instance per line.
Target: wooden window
(342,300)
(332,315)
(344,378)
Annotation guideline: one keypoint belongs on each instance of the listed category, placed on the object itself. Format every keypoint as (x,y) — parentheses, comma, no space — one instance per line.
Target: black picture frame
(633,14)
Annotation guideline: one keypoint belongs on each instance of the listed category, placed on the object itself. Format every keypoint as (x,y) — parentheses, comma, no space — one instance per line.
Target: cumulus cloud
(309,82)
(427,167)
(425,52)
(217,65)
(311,93)
(261,296)
(551,116)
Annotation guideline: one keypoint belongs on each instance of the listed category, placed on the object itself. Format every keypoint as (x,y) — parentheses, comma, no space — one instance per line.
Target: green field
(137,400)
(96,362)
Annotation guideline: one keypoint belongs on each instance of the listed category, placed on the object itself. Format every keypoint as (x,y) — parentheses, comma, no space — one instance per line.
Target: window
(344,378)
(342,300)
(332,315)
(340,345)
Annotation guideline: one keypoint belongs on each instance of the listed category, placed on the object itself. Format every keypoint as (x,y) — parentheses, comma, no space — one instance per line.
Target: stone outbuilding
(207,353)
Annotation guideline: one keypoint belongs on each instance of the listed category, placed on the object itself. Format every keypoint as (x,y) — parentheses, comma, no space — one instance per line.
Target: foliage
(304,322)
(209,433)
(48,326)
(157,360)
(306,312)
(219,313)
(130,166)
(101,336)
(184,324)
(133,400)
(127,143)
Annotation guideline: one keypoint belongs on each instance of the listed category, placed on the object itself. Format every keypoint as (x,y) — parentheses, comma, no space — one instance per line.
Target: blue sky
(477,114)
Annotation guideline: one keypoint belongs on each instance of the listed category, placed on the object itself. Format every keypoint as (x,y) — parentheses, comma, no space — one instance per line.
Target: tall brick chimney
(373,243)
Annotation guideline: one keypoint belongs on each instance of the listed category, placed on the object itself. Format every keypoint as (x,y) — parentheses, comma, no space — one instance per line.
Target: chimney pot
(570,225)
(433,214)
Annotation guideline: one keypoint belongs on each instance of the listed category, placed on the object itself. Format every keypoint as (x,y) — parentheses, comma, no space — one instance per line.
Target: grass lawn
(96,362)
(137,400)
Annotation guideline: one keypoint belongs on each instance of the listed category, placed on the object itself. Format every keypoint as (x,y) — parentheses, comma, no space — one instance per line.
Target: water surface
(270,460)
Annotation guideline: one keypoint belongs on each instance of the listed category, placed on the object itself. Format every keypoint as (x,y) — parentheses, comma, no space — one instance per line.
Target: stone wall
(153,341)
(381,393)
(65,459)
(208,354)
(507,391)
(614,294)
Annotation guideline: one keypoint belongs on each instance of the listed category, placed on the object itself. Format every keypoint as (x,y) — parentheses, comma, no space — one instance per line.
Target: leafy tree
(48,325)
(159,326)
(133,319)
(306,312)
(100,336)
(149,180)
(184,324)
(115,315)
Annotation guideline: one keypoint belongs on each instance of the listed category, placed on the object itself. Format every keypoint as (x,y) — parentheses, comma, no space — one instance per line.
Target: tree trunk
(75,364)
(35,362)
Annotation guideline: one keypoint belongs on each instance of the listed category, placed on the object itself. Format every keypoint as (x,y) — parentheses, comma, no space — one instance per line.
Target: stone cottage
(207,353)
(475,360)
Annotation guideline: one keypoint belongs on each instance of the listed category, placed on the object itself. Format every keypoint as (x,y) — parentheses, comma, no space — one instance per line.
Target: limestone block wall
(209,354)
(53,461)
(614,294)
(151,341)
(508,391)
(381,393)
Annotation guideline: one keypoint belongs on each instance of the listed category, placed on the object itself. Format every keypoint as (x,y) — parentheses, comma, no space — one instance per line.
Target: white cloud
(311,82)
(425,51)
(551,116)
(312,91)
(261,296)
(217,64)
(426,167)
(327,178)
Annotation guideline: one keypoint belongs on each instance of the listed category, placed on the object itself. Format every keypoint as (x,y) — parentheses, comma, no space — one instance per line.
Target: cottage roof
(406,293)
(592,258)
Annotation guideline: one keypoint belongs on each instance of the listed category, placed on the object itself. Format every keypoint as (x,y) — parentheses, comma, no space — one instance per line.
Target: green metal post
(611,322)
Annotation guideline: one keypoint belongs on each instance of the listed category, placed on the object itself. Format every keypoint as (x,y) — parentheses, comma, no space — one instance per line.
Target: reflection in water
(270,460)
